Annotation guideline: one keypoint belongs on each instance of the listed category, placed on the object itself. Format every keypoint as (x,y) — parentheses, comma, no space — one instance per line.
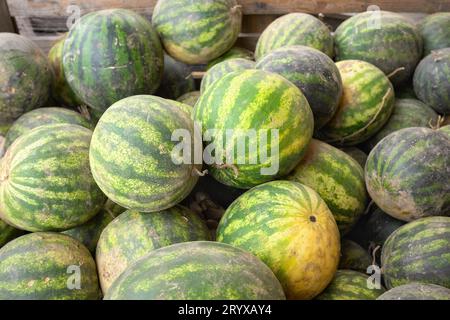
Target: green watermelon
(132,154)
(290,228)
(134,234)
(7,233)
(366,104)
(354,257)
(223,68)
(199,31)
(416,291)
(112,54)
(44,116)
(295,29)
(190,98)
(177,79)
(385,39)
(445,129)
(45,180)
(357,154)
(337,178)
(47,266)
(60,88)
(248,101)
(25,77)
(408,174)
(435,31)
(89,233)
(198,270)
(407,113)
(432,80)
(233,53)
(350,285)
(405,92)
(418,252)
(313,72)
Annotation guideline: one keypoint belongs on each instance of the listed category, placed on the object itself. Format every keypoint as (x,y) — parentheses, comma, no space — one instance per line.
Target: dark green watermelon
(416,291)
(110,55)
(7,233)
(198,270)
(354,257)
(177,79)
(435,31)
(190,98)
(233,53)
(405,92)
(357,154)
(313,72)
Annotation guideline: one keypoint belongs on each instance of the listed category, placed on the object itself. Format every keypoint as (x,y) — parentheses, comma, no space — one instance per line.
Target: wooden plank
(39,8)
(6,23)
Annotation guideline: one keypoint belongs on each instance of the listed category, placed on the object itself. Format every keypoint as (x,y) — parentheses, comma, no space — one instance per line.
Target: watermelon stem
(196,172)
(374,255)
(393,73)
(439,122)
(228,166)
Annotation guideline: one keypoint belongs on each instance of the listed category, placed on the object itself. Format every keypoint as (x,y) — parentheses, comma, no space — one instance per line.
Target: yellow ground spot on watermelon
(110,265)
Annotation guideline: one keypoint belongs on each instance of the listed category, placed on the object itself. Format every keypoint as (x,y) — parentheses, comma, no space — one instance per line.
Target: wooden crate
(45,21)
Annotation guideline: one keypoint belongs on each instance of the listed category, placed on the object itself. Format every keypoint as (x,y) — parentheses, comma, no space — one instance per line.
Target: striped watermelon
(131,153)
(337,178)
(7,233)
(89,233)
(60,89)
(233,53)
(432,80)
(255,100)
(112,54)
(190,98)
(45,180)
(416,291)
(407,113)
(290,228)
(354,257)
(222,69)
(25,77)
(313,72)
(385,39)
(435,31)
(295,29)
(366,105)
(198,270)
(44,116)
(47,266)
(197,31)
(418,252)
(357,154)
(177,79)
(350,285)
(408,174)
(134,234)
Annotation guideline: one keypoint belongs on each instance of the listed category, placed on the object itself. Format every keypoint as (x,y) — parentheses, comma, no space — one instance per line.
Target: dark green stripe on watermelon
(233,53)
(416,291)
(197,270)
(177,79)
(435,31)
(110,55)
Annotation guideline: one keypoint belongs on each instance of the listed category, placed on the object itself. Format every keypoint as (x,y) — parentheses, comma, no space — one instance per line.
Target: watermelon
(190,98)
(132,153)
(223,68)
(233,53)
(432,80)
(295,29)
(112,54)
(354,257)
(60,89)
(134,234)
(25,77)
(313,72)
(416,291)
(408,174)
(385,39)
(337,178)
(366,105)
(7,233)
(197,32)
(262,103)
(357,154)
(44,116)
(57,267)
(445,129)
(45,180)
(405,92)
(350,285)
(407,113)
(418,252)
(177,79)
(290,228)
(435,31)
(89,233)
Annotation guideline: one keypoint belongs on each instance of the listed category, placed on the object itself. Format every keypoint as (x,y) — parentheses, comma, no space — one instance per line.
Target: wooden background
(45,21)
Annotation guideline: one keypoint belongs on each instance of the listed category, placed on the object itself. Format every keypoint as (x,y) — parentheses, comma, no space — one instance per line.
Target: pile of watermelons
(351,199)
